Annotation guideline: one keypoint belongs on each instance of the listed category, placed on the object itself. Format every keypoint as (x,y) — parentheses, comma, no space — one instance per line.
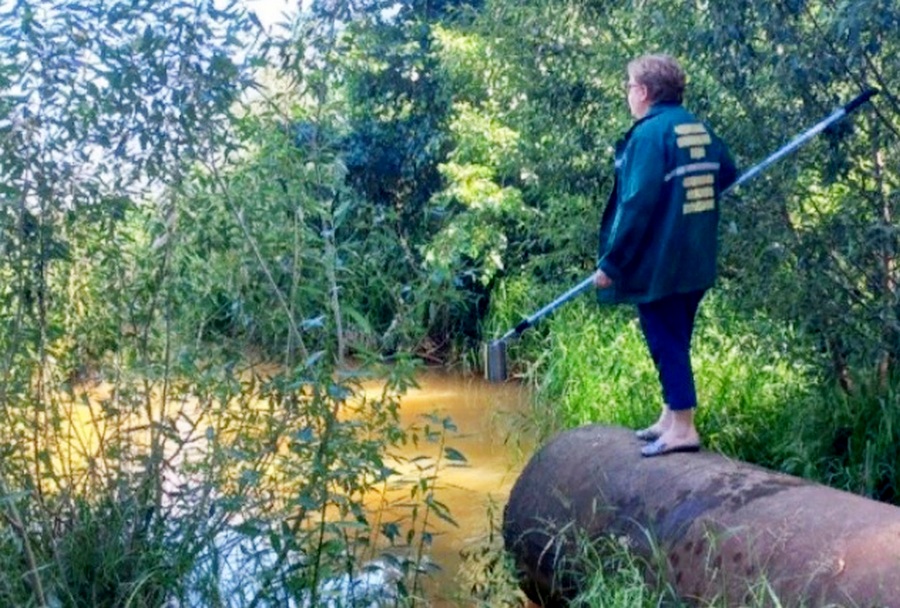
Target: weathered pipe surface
(721,527)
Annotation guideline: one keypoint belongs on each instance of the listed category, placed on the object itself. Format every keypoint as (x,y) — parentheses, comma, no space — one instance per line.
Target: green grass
(764,397)
(591,365)
(617,578)
(849,441)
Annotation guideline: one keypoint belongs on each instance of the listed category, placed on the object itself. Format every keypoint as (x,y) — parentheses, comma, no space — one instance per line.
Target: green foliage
(421,164)
(279,464)
(603,376)
(814,243)
(617,577)
(88,121)
(833,275)
(589,366)
(259,239)
(129,236)
(488,571)
(109,555)
(850,444)
(749,371)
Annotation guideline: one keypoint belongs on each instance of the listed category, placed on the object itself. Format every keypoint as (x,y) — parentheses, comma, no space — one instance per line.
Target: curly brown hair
(661,74)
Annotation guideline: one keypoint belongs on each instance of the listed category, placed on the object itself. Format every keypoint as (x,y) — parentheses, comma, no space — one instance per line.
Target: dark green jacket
(658,235)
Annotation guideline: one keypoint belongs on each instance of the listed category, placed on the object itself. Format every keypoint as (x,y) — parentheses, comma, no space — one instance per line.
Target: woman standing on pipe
(658,235)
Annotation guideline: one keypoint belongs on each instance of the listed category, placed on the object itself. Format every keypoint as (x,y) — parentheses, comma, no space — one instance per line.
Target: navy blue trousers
(668,325)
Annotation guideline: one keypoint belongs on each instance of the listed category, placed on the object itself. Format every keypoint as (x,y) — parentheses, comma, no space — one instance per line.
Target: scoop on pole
(495,359)
(495,351)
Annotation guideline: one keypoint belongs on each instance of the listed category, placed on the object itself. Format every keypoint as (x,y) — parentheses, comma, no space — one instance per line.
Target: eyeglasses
(630,85)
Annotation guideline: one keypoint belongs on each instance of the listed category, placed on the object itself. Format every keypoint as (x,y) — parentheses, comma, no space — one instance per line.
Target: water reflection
(486,432)
(488,419)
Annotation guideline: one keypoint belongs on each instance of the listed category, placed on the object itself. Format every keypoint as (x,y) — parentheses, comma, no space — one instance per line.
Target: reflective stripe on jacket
(658,235)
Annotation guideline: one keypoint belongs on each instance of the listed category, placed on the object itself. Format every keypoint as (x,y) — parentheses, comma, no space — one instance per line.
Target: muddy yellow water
(490,435)
(479,443)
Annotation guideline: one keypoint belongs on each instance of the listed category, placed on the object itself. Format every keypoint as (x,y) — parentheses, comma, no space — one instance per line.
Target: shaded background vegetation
(183,193)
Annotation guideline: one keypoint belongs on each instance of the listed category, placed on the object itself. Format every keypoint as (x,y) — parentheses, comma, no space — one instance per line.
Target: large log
(715,528)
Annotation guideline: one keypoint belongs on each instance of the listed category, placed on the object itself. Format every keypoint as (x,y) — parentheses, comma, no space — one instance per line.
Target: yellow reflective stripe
(698,152)
(695,193)
(688,141)
(707,204)
(689,128)
(699,180)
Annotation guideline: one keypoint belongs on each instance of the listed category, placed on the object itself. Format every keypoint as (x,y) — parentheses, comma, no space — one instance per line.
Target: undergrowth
(764,397)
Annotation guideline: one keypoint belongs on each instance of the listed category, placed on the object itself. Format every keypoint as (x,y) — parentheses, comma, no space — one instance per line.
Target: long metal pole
(803,138)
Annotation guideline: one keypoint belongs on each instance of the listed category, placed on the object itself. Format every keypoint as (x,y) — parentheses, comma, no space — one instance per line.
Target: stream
(485,437)
(488,421)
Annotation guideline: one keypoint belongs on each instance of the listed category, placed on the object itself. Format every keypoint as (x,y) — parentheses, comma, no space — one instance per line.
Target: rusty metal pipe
(715,528)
